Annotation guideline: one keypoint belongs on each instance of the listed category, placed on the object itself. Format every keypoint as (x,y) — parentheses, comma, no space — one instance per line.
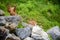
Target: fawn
(12,10)
(32,22)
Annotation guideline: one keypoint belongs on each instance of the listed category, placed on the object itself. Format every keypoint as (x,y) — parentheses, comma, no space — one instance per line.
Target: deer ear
(8,7)
(14,8)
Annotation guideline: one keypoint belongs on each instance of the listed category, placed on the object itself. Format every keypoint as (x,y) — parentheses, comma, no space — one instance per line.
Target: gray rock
(27,25)
(12,37)
(11,26)
(24,32)
(54,32)
(28,38)
(2,20)
(1,13)
(39,34)
(3,33)
(24,24)
(13,19)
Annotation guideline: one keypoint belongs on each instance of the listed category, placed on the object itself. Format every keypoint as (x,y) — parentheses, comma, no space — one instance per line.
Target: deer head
(12,10)
(32,22)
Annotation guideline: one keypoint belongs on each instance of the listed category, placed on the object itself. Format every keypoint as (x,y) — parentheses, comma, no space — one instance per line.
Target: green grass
(44,12)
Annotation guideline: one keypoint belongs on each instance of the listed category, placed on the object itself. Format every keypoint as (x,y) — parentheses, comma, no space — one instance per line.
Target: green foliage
(55,1)
(43,11)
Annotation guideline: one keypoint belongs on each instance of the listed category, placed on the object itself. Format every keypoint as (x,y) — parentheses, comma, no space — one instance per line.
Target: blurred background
(45,12)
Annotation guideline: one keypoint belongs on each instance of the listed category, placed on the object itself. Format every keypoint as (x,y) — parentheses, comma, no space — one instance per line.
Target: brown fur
(32,22)
(11,10)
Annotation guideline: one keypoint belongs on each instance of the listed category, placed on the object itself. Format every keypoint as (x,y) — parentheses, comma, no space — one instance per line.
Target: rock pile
(9,30)
(54,32)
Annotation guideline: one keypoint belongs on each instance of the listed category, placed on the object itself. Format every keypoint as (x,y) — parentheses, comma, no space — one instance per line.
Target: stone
(28,38)
(23,32)
(24,24)
(2,21)
(27,25)
(1,13)
(13,19)
(3,33)
(12,37)
(54,32)
(10,26)
(39,34)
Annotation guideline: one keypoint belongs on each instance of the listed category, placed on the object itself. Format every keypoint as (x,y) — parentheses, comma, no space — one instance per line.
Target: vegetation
(45,12)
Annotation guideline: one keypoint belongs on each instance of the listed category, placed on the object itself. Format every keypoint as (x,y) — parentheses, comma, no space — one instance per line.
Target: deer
(32,22)
(12,10)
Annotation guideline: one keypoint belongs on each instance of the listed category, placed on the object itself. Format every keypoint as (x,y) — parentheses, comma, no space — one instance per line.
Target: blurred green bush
(45,12)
